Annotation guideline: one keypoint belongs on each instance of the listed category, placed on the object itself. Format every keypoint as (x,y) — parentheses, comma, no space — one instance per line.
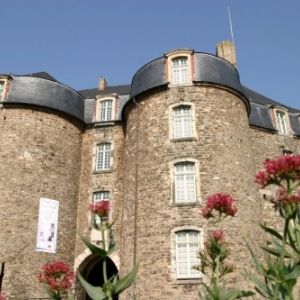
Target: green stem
(104,267)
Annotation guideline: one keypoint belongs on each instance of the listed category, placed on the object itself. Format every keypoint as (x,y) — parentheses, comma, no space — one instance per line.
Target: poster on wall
(47,225)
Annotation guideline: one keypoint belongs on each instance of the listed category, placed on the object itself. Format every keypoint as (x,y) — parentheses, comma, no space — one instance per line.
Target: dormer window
(180,70)
(1,89)
(281,118)
(179,66)
(3,84)
(105,110)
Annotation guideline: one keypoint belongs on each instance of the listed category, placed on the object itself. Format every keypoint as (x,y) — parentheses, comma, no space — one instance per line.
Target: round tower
(40,146)
(186,138)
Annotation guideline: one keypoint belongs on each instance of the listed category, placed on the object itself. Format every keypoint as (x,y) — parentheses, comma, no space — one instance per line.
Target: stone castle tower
(184,129)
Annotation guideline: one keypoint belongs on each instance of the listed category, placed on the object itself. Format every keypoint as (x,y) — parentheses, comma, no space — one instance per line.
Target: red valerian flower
(278,169)
(2,296)
(218,236)
(284,198)
(58,277)
(100,208)
(222,203)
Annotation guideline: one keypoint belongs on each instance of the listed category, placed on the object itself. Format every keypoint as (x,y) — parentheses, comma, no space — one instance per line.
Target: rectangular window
(187,248)
(103,157)
(180,71)
(105,110)
(182,122)
(185,184)
(281,122)
(2,83)
(100,196)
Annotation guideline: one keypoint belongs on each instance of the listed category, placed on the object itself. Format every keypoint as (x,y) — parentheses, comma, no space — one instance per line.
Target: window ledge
(102,171)
(180,84)
(106,123)
(186,281)
(186,204)
(192,138)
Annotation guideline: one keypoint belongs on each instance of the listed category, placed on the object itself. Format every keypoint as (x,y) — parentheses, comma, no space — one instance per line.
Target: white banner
(47,225)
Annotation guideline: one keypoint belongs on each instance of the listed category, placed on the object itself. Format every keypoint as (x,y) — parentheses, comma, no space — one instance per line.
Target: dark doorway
(95,274)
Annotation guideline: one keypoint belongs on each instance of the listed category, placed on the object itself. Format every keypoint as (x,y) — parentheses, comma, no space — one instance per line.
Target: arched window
(180,70)
(103,157)
(187,249)
(185,182)
(182,122)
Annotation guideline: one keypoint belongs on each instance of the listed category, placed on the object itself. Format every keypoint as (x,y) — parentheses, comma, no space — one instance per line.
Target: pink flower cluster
(218,236)
(58,277)
(284,198)
(281,168)
(222,203)
(100,208)
(2,296)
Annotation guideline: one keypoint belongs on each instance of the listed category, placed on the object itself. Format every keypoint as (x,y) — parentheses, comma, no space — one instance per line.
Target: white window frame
(179,66)
(182,122)
(97,197)
(181,161)
(282,121)
(3,83)
(188,245)
(103,156)
(185,182)
(180,70)
(105,109)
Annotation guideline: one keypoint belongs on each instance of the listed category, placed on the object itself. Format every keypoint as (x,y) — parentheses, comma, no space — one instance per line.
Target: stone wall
(40,157)
(94,181)
(222,146)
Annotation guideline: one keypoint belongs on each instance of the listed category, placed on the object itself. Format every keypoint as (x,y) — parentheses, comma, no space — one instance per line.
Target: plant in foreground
(57,278)
(112,286)
(281,269)
(2,297)
(213,258)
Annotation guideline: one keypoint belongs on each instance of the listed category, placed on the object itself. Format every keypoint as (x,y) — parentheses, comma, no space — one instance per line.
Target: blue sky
(78,41)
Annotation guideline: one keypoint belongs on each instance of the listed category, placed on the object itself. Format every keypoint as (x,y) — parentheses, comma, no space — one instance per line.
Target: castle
(184,129)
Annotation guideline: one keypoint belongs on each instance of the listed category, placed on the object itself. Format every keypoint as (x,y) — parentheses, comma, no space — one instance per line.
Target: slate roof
(260,114)
(118,89)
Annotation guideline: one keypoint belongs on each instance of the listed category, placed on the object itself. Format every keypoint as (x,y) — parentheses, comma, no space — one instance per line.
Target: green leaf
(294,274)
(95,292)
(272,231)
(209,292)
(126,281)
(113,222)
(258,265)
(70,296)
(276,252)
(94,249)
(111,247)
(231,295)
(259,284)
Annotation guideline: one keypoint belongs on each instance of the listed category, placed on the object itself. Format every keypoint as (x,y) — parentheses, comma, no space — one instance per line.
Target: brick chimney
(102,84)
(226,50)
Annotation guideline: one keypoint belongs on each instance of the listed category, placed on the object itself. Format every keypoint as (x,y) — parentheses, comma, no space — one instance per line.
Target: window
(187,248)
(2,85)
(185,183)
(100,196)
(182,122)
(281,122)
(180,70)
(103,157)
(105,110)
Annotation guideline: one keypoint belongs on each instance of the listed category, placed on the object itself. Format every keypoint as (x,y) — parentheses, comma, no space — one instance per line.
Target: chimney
(102,84)
(226,50)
